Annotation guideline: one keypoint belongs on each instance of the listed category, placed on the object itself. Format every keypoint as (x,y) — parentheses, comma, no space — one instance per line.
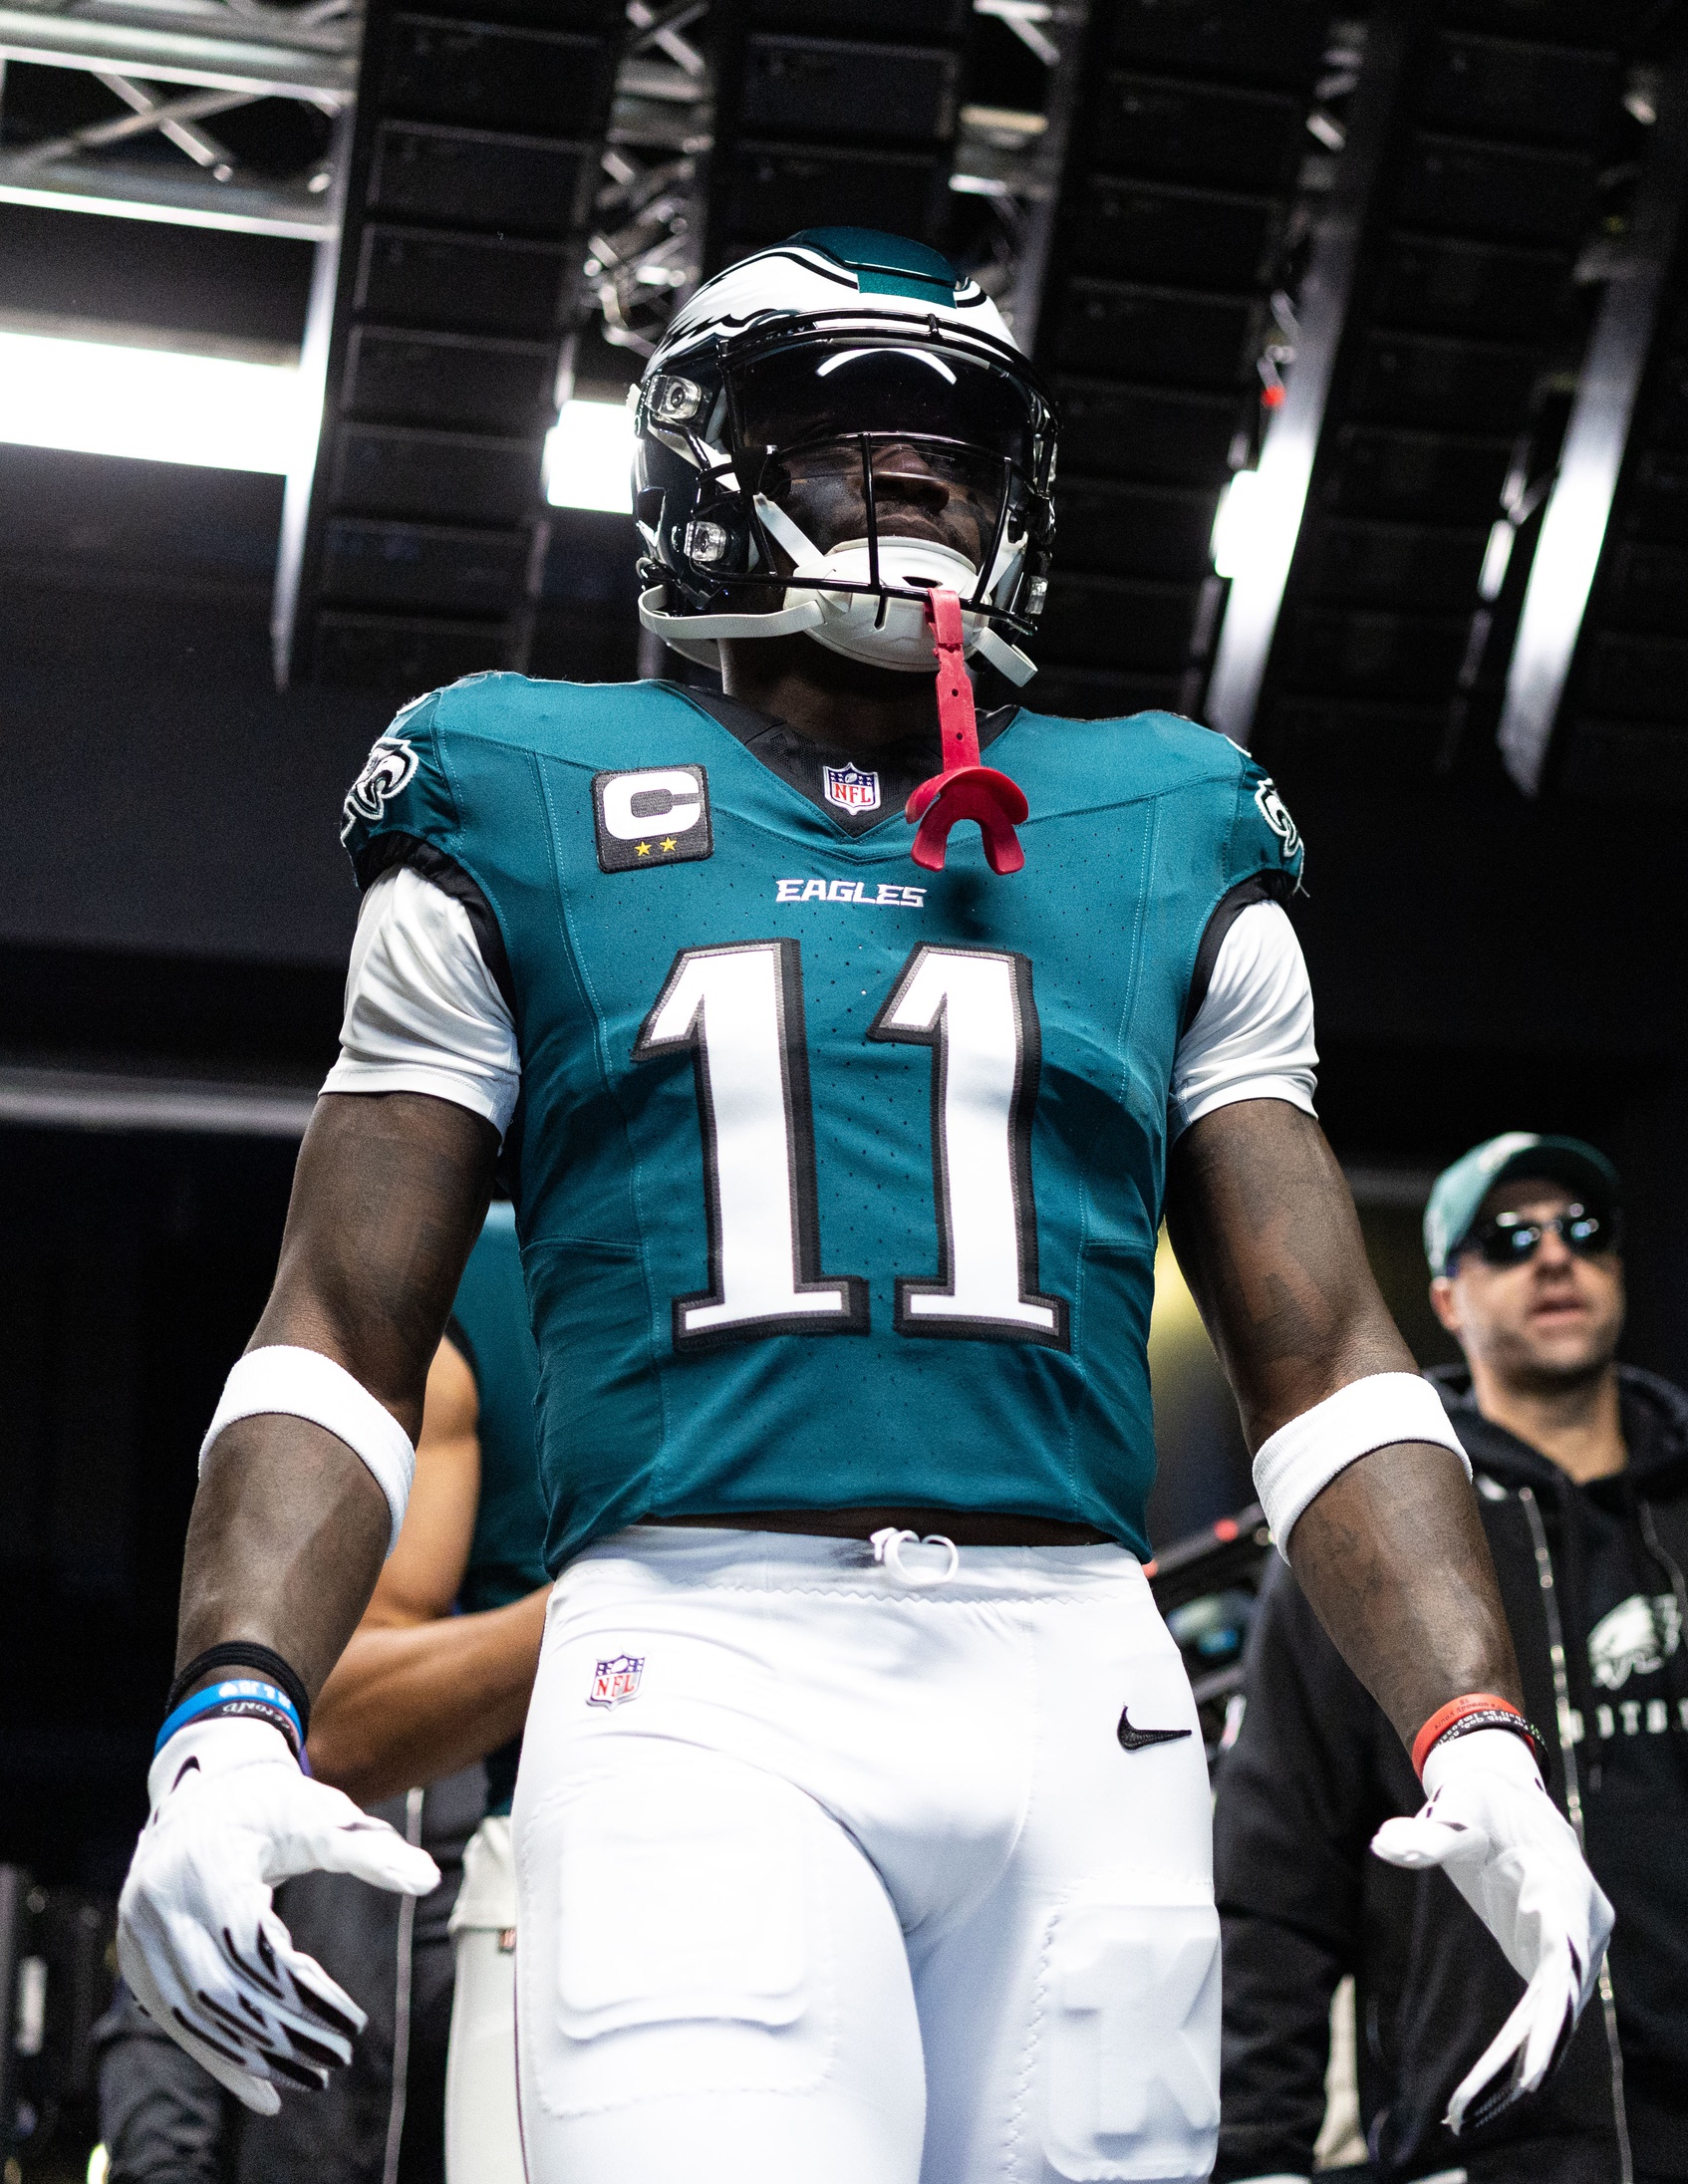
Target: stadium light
(1240,524)
(101,397)
(589,457)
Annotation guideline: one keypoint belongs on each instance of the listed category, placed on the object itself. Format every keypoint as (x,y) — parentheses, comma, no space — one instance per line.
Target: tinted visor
(831,390)
(921,489)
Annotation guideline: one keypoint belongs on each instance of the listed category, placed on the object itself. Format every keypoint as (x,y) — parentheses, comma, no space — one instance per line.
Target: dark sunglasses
(1508,1239)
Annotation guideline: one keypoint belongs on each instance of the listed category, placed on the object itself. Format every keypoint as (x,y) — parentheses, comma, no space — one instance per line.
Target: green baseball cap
(1457,1194)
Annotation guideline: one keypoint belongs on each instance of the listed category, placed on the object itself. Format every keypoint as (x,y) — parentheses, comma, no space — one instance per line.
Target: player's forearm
(284,1546)
(407,1706)
(289,1527)
(1392,1554)
(1393,1557)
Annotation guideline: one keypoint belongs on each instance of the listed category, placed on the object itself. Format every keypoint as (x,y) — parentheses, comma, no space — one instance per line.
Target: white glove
(203,1950)
(1497,1834)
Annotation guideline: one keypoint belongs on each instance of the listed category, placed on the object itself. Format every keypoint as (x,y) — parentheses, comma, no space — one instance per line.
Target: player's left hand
(1497,1834)
(201,1949)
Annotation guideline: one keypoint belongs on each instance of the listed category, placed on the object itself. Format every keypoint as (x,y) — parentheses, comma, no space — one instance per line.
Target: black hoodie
(1593,1575)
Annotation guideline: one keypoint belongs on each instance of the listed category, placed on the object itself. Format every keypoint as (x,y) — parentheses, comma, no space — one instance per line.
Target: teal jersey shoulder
(489,1324)
(838,1181)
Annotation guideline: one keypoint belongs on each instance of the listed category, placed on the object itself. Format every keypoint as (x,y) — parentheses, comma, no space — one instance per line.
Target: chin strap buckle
(964,789)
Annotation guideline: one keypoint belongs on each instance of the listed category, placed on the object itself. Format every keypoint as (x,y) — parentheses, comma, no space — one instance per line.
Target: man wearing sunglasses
(1581,1472)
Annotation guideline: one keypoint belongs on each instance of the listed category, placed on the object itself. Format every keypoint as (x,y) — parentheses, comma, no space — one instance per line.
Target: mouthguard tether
(964,789)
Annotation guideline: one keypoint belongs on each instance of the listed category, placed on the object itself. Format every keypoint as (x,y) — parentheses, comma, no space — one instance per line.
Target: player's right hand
(197,1941)
(1508,1850)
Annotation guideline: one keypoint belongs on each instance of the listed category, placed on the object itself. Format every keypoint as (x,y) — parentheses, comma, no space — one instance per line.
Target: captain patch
(659,815)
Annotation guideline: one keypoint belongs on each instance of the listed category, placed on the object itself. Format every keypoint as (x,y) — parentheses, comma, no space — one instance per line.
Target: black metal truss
(178,73)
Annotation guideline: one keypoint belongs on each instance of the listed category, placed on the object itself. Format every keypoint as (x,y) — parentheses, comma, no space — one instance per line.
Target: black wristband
(1498,1718)
(243,1653)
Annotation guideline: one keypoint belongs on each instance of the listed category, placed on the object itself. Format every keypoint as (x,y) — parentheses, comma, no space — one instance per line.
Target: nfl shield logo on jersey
(852,787)
(614,1681)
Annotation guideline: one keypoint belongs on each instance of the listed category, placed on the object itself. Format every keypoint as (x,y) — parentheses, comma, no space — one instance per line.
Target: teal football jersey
(489,1325)
(837,1180)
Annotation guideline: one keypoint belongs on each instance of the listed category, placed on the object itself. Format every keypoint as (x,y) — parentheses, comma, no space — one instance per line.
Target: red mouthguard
(964,789)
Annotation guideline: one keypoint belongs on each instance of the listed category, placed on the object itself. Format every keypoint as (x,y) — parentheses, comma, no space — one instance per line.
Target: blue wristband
(242,1700)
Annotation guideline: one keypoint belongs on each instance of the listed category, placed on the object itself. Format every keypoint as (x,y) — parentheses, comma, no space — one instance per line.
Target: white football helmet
(829,428)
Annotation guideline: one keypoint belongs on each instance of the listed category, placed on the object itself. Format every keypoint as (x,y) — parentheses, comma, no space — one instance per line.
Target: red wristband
(1461,1714)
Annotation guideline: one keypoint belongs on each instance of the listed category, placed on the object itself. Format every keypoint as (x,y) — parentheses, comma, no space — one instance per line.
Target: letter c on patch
(636,803)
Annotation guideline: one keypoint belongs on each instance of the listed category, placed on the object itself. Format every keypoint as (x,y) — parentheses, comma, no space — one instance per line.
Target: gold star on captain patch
(668,841)
(641,849)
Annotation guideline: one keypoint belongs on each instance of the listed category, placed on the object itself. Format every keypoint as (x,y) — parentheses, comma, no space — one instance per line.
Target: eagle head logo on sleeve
(387,770)
(1276,813)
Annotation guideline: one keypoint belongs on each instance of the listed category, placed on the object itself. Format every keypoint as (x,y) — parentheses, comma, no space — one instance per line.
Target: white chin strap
(883,632)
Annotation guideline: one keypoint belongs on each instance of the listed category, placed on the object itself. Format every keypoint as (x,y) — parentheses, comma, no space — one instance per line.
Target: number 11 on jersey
(741,1012)
(973,1008)
(739,1009)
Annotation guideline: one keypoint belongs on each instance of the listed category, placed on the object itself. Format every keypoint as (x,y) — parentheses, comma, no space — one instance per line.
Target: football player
(862,1830)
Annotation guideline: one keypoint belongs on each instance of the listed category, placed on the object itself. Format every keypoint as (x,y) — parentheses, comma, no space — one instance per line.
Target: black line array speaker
(473,171)
(833,112)
(1463,305)
(1184,160)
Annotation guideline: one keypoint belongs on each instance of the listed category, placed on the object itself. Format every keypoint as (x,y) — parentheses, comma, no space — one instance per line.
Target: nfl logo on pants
(614,1681)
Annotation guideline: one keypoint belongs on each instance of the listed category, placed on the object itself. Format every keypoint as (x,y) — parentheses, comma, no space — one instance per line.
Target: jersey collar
(851,796)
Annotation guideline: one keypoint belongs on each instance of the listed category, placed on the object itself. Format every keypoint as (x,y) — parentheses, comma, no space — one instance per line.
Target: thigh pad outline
(686,1950)
(677,1912)
(1130,2075)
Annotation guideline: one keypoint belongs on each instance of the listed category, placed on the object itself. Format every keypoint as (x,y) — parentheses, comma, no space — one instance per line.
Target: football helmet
(829,430)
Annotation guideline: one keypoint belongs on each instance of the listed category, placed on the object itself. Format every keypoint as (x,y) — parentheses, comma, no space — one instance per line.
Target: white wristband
(293,1383)
(1302,1459)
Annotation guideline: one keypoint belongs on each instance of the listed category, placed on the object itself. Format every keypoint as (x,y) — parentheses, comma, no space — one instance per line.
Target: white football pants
(482,2124)
(827,1878)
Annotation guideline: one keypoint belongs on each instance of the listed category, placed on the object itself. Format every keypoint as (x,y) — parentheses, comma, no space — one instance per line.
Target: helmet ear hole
(705,543)
(648,507)
(673,400)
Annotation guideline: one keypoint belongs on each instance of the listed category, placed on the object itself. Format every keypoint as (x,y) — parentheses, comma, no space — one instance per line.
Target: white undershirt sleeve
(1253,1037)
(423,1013)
